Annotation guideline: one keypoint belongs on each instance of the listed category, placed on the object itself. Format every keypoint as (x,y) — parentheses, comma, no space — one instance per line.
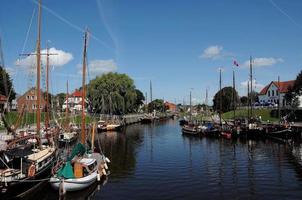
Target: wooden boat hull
(190,131)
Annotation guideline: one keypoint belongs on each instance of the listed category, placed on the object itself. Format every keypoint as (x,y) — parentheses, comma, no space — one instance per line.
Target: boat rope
(4,163)
(31,181)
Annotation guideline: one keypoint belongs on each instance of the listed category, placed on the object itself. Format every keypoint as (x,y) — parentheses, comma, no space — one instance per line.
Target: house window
(27,97)
(273,92)
(269,93)
(277,92)
(32,97)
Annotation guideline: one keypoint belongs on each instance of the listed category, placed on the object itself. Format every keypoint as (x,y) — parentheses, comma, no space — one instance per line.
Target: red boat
(226,134)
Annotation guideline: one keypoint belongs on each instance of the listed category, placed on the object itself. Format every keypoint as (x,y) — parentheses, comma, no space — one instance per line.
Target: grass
(31,118)
(264,113)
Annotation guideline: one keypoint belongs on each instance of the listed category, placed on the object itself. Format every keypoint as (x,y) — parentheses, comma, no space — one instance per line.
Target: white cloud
(11,71)
(59,59)
(212,52)
(256,85)
(98,67)
(262,62)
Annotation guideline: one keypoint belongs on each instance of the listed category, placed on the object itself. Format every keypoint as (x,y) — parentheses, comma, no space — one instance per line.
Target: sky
(178,45)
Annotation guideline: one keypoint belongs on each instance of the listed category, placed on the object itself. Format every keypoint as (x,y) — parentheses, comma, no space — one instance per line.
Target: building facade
(74,102)
(3,102)
(29,101)
(170,106)
(270,93)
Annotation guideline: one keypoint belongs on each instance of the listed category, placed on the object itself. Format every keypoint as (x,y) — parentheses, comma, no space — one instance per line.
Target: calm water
(157,162)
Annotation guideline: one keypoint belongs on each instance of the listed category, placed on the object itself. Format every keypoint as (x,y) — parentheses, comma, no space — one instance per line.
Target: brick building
(170,106)
(3,102)
(29,100)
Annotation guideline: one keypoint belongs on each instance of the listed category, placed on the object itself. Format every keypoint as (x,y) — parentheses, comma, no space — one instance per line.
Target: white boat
(67,136)
(92,169)
(81,168)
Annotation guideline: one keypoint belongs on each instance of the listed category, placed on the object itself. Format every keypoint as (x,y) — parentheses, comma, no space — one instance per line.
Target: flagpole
(234,90)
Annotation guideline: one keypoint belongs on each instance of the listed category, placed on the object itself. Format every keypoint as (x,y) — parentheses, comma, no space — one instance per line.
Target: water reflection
(155,161)
(120,148)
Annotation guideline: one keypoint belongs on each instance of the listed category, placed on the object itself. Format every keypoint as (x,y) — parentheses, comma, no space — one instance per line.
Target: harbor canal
(155,161)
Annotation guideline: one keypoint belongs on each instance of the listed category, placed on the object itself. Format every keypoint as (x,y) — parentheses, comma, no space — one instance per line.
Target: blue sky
(177,44)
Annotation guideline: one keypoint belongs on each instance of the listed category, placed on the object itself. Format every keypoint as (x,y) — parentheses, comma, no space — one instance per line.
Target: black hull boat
(146,120)
(23,171)
(27,187)
(183,122)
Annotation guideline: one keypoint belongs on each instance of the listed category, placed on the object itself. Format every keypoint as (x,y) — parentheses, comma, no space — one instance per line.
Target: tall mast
(47,89)
(207,101)
(190,105)
(248,99)
(220,98)
(38,70)
(251,79)
(83,89)
(67,97)
(150,91)
(279,108)
(234,90)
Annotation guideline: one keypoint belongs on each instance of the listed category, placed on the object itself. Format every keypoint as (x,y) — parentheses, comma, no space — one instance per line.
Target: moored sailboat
(83,167)
(25,164)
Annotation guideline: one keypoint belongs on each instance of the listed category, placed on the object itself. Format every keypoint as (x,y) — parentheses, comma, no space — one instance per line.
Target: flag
(236,63)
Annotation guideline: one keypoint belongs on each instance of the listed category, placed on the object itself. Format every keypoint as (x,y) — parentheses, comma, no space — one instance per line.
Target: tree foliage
(60,98)
(140,98)
(298,84)
(244,100)
(158,105)
(6,85)
(227,99)
(293,93)
(113,93)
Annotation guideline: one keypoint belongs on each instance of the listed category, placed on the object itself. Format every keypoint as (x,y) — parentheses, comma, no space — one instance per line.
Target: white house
(270,93)
(74,101)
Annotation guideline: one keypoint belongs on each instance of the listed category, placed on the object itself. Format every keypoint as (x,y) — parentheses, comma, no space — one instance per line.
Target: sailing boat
(68,134)
(83,167)
(191,128)
(22,168)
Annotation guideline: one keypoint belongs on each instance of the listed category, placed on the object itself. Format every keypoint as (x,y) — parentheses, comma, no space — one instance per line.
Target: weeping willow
(113,93)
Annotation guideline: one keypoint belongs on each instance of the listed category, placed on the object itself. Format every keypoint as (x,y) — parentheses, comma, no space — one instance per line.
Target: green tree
(227,99)
(6,85)
(60,98)
(158,105)
(140,98)
(112,93)
(244,100)
(293,93)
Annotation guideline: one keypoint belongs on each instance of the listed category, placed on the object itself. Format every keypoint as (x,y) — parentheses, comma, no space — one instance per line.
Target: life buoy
(31,170)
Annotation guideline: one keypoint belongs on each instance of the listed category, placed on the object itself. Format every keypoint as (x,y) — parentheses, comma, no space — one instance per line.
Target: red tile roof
(77,93)
(283,86)
(3,98)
